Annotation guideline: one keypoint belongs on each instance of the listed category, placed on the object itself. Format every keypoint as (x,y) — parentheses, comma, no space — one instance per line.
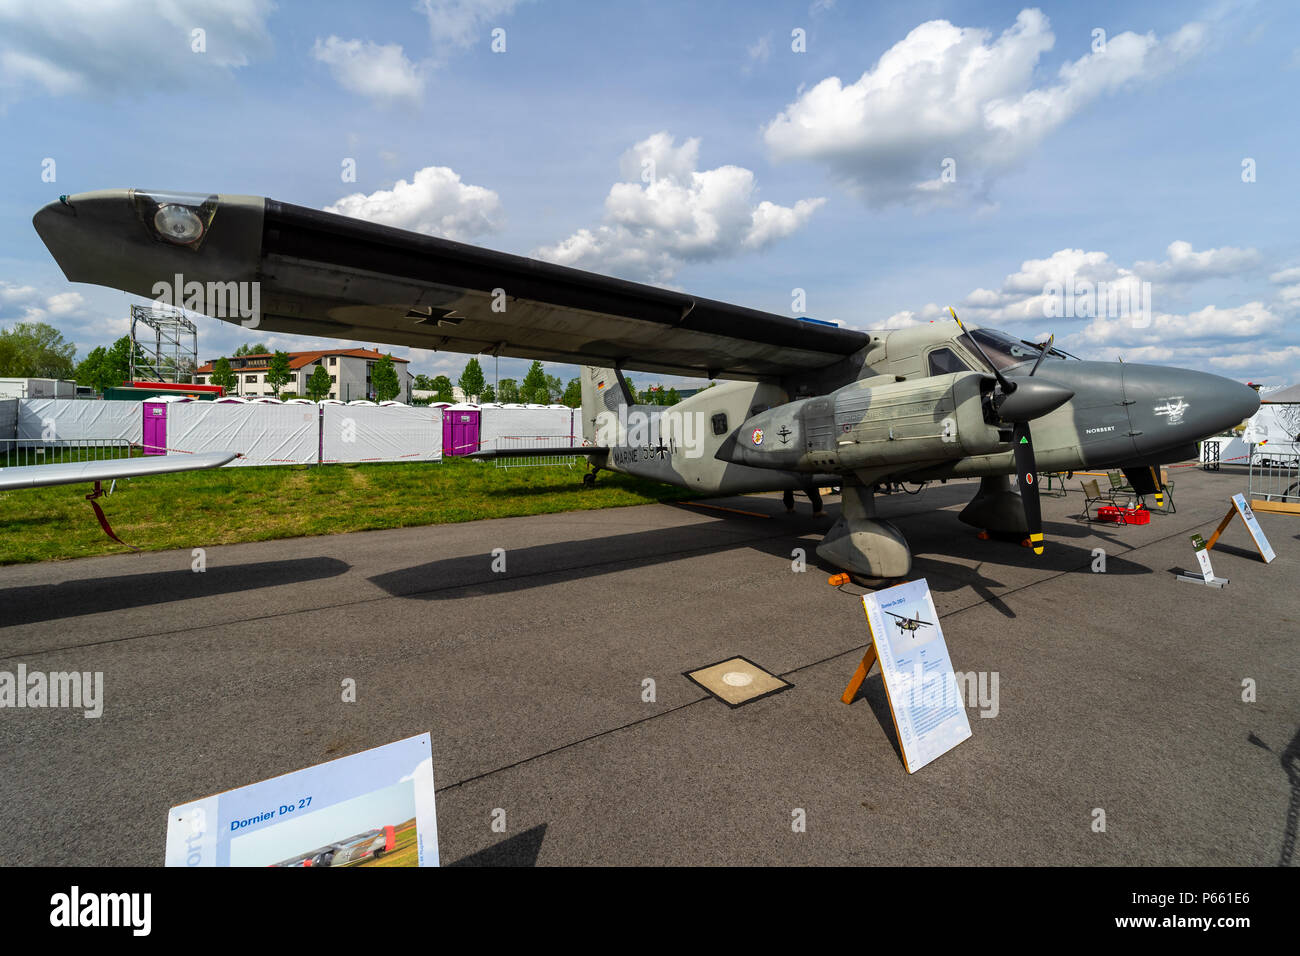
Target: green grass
(233,505)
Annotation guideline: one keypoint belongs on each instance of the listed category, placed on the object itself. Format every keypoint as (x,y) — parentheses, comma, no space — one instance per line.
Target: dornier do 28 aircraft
(802,405)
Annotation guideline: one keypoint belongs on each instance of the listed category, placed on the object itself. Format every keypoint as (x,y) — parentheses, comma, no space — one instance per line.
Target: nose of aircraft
(1169,405)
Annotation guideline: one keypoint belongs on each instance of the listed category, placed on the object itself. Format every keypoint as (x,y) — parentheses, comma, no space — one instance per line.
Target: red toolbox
(1124,515)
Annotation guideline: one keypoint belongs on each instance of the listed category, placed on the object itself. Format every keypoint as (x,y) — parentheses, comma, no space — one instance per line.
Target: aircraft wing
(73,472)
(328,275)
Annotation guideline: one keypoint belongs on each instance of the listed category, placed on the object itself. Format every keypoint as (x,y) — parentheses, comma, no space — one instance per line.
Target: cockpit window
(943,361)
(1005,350)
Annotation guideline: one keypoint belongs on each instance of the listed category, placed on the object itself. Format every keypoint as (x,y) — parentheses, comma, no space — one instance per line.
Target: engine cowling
(867,425)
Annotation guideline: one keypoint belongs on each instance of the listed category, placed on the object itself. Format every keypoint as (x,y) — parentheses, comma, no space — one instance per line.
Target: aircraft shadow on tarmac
(522,849)
(50,602)
(563,561)
(1290,760)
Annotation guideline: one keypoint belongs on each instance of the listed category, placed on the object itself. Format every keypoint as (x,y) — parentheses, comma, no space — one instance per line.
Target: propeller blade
(1007,387)
(1043,354)
(1025,473)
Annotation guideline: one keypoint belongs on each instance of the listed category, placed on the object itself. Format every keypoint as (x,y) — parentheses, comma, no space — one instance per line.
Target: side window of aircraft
(944,361)
(720,424)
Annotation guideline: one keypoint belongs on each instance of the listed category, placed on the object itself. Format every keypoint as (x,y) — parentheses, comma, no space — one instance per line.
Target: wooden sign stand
(1239,506)
(868,661)
(1232,510)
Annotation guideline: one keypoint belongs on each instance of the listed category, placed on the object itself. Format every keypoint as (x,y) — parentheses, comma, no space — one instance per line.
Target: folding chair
(1167,487)
(1120,488)
(1092,495)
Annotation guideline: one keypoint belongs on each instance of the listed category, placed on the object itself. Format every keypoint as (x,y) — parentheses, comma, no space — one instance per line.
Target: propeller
(1018,403)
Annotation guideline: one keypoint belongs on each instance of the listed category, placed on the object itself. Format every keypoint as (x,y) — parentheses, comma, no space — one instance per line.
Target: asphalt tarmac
(1119,691)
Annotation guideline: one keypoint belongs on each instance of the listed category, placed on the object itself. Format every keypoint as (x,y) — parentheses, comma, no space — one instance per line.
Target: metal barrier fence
(1274,477)
(505,443)
(17,452)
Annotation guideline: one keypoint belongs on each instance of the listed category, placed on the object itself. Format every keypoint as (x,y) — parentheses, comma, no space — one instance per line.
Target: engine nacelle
(868,425)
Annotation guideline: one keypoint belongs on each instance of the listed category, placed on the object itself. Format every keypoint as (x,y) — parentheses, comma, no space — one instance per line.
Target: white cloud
(385,74)
(666,212)
(1107,312)
(434,202)
(382,73)
(1184,264)
(28,304)
(948,92)
(458,24)
(760,51)
(62,47)
(1247,321)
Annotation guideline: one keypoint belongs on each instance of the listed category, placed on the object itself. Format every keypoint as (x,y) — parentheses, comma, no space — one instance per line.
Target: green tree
(246,349)
(535,389)
(422,382)
(673,397)
(222,375)
(35,350)
(489,394)
(632,390)
(383,379)
(471,380)
(106,367)
(572,393)
(278,375)
(508,391)
(442,389)
(318,384)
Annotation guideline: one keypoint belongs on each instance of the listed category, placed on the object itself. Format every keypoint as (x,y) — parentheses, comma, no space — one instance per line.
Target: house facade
(349,371)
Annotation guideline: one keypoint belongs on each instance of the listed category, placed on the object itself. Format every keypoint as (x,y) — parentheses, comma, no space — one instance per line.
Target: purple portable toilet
(153,434)
(460,429)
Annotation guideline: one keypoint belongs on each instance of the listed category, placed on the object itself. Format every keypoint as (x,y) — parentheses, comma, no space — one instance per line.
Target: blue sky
(968,154)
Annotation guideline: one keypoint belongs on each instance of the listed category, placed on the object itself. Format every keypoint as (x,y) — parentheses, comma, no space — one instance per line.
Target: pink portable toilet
(460,425)
(153,435)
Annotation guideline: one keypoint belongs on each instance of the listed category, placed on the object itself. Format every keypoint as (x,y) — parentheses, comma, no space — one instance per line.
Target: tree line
(537,388)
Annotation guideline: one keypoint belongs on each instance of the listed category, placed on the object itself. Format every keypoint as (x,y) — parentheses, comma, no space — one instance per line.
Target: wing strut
(103,521)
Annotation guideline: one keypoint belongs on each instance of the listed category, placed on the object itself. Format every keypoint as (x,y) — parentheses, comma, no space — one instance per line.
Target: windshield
(1005,350)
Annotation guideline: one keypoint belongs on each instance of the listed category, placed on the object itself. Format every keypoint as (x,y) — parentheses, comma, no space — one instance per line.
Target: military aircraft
(908,623)
(804,404)
(354,849)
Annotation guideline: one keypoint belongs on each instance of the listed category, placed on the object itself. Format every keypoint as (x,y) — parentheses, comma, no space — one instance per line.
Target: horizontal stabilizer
(490,454)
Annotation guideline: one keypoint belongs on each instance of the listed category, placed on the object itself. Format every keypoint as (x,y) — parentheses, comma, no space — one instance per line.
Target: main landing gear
(869,548)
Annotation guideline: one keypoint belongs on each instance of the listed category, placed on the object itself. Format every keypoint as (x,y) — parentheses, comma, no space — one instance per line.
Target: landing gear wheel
(589,479)
(872,584)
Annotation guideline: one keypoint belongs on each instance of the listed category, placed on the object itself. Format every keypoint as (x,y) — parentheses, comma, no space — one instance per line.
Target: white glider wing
(73,472)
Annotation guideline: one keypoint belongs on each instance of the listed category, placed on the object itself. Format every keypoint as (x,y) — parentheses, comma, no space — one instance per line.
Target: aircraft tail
(602,398)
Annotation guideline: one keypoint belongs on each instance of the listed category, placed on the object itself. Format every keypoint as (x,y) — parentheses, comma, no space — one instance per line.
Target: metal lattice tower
(170,353)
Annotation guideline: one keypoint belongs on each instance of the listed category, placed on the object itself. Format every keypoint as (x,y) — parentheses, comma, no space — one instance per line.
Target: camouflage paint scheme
(804,404)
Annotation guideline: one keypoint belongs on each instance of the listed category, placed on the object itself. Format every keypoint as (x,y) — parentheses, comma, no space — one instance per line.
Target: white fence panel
(503,426)
(263,434)
(381,433)
(67,418)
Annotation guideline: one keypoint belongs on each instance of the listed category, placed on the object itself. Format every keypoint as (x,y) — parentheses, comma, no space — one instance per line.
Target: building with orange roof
(349,371)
